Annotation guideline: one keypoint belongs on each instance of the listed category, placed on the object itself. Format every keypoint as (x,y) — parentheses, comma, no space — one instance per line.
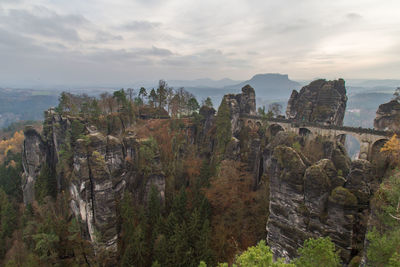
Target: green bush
(318,252)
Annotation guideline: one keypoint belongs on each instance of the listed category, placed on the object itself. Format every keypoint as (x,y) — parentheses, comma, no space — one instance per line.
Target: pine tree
(223,125)
(46,184)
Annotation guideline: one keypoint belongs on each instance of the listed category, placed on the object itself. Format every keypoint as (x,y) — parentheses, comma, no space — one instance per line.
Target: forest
(210,213)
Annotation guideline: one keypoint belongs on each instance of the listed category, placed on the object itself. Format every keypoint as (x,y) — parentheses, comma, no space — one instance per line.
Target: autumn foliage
(238,213)
(392,149)
(12,144)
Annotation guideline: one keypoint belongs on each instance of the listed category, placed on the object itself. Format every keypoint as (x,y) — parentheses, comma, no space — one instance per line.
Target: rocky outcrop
(241,104)
(205,130)
(96,187)
(321,101)
(33,157)
(388,117)
(94,168)
(309,200)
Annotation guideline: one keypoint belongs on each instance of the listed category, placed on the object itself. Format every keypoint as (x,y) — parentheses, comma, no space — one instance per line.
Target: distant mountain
(202,83)
(373,83)
(270,85)
(16,105)
(361,108)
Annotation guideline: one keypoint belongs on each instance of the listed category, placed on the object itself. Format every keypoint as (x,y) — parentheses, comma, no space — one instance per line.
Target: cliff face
(315,199)
(34,156)
(388,116)
(321,101)
(314,188)
(94,168)
(241,104)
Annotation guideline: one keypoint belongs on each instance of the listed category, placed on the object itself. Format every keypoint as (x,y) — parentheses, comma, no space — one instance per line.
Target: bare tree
(275,108)
(170,94)
(131,94)
(107,102)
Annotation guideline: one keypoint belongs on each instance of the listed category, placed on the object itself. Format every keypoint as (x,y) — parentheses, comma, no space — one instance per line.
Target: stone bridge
(370,140)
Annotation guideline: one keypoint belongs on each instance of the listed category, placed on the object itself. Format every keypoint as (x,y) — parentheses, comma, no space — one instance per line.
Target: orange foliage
(392,148)
(12,144)
(239,213)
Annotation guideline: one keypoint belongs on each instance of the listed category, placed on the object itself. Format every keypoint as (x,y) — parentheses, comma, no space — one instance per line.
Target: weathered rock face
(102,168)
(314,199)
(388,116)
(96,187)
(321,101)
(34,155)
(203,135)
(241,104)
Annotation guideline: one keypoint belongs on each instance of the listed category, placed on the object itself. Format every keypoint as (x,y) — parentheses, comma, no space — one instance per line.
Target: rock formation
(314,188)
(102,167)
(241,104)
(315,199)
(321,101)
(388,116)
(33,158)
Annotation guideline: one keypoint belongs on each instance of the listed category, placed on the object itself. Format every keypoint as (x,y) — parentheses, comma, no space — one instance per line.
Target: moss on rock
(343,196)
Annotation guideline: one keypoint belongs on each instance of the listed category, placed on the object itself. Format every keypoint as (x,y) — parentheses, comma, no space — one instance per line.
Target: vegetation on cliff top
(211,213)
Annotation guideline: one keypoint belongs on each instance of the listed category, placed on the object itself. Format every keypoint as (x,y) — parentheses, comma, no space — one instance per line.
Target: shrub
(318,252)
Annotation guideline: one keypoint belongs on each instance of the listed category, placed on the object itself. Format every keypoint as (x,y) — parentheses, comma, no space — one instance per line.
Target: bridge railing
(302,124)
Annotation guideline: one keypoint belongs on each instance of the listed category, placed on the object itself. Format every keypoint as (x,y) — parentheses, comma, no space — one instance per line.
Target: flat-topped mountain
(273,85)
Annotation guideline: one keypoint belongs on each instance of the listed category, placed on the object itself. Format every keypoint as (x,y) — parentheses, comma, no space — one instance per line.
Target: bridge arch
(376,146)
(304,132)
(274,128)
(353,145)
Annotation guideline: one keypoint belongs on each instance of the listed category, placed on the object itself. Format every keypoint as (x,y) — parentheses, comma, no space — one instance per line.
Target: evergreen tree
(120,96)
(8,216)
(136,252)
(193,105)
(162,93)
(223,126)
(153,98)
(10,180)
(208,102)
(46,184)
(142,93)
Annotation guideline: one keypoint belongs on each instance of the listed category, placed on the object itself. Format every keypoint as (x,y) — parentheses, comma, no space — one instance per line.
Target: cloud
(353,16)
(175,39)
(155,51)
(13,42)
(43,23)
(140,25)
(103,36)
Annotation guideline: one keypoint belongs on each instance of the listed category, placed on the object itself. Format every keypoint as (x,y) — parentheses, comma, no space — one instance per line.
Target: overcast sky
(83,42)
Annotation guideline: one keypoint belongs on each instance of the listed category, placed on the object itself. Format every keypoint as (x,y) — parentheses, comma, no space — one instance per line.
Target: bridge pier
(364,149)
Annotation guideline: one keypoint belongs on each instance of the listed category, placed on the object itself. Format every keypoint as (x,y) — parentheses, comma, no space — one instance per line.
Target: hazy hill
(361,108)
(16,105)
(270,85)
(374,83)
(202,83)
